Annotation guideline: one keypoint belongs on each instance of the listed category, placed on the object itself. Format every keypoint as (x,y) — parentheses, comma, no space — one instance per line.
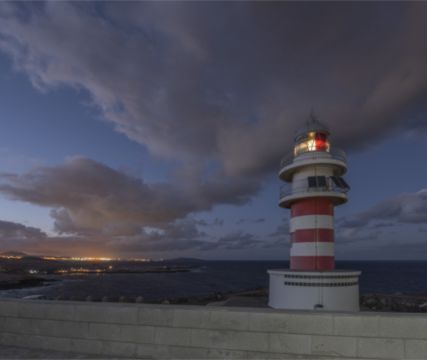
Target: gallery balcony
(335,157)
(333,187)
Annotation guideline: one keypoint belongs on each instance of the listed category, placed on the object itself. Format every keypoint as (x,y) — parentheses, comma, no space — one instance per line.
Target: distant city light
(76,258)
(10,257)
(90,258)
(79,270)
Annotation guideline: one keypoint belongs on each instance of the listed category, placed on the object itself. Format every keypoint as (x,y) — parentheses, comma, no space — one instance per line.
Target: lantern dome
(312,125)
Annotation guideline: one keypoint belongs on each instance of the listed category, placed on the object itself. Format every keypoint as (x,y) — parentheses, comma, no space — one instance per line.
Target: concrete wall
(161,331)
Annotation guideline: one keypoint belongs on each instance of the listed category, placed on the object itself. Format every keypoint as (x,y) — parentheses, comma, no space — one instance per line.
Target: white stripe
(311,222)
(312,249)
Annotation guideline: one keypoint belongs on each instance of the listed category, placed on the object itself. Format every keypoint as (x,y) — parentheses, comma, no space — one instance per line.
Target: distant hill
(13,253)
(185,260)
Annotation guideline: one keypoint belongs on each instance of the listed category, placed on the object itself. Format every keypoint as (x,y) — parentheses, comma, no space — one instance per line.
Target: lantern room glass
(313,141)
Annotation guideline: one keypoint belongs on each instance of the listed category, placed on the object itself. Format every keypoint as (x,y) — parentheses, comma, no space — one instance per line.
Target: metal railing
(301,186)
(333,153)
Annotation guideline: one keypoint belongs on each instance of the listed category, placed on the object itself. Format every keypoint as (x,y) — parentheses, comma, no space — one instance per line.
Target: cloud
(88,197)
(11,233)
(108,211)
(237,240)
(177,236)
(251,221)
(229,82)
(174,237)
(282,229)
(384,230)
(214,222)
(406,208)
(18,237)
(279,238)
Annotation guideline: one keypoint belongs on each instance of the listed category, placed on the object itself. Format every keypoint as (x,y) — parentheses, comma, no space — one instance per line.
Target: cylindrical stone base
(336,290)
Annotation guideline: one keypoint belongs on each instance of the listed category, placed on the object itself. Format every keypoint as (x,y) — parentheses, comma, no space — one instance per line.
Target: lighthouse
(313,186)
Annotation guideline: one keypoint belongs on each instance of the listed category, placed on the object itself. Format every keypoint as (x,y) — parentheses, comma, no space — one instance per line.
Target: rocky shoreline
(14,281)
(394,302)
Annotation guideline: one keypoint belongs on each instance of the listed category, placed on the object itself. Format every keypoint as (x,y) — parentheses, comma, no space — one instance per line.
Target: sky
(156,129)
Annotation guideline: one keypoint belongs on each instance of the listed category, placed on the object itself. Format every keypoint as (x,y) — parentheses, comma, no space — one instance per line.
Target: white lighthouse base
(336,290)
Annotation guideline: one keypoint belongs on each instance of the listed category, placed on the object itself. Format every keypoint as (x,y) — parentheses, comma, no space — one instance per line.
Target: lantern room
(313,137)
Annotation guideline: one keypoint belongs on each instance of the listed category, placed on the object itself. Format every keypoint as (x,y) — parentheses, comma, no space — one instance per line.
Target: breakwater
(173,331)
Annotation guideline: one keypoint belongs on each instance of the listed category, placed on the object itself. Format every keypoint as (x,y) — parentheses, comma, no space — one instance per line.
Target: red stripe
(312,263)
(312,206)
(312,235)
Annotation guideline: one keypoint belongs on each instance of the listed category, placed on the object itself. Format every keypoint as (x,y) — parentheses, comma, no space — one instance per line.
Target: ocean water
(208,277)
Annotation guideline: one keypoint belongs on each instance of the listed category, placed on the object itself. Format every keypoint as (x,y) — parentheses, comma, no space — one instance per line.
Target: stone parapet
(170,331)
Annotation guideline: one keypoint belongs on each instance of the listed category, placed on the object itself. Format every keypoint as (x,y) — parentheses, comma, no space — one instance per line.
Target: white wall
(162,331)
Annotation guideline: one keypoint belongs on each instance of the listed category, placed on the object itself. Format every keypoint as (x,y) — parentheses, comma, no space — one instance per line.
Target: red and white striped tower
(312,234)
(314,186)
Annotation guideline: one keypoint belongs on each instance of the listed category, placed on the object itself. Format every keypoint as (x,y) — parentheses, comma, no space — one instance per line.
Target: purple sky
(155,129)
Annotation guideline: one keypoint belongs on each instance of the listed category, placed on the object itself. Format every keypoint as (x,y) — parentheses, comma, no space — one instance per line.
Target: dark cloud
(12,233)
(282,229)
(384,229)
(250,221)
(184,235)
(89,197)
(18,237)
(214,222)
(106,211)
(279,238)
(407,208)
(229,82)
(218,222)
(279,242)
(177,236)
(235,241)
(382,225)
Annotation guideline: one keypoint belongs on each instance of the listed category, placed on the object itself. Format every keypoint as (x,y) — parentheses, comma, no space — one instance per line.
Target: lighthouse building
(313,186)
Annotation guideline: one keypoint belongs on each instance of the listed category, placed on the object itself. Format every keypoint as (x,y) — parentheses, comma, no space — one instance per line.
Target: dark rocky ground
(15,281)
(394,302)
(254,298)
(259,297)
(368,302)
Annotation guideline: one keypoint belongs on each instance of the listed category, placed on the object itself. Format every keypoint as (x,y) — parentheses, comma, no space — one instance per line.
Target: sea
(205,278)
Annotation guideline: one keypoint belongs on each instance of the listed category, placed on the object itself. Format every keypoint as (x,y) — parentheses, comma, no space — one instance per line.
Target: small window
(321,181)
(312,183)
(316,181)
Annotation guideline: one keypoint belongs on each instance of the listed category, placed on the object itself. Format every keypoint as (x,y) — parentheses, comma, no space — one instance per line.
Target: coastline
(15,282)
